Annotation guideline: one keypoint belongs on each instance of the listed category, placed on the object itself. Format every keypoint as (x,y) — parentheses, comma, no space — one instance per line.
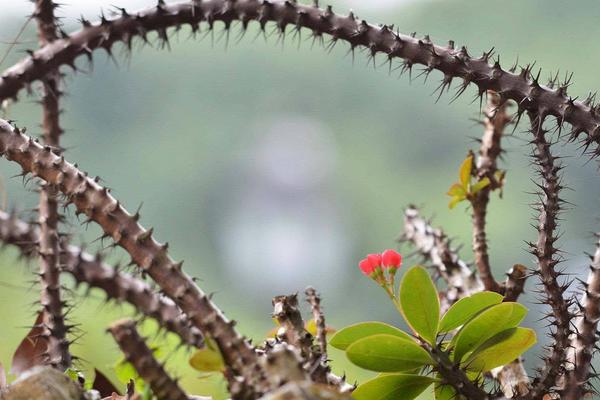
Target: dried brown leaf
(31,351)
(103,385)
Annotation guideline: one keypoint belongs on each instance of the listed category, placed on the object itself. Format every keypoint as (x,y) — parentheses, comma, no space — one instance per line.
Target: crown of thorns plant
(295,360)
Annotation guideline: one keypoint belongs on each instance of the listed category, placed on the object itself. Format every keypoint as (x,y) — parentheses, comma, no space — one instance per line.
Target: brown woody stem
(49,217)
(287,312)
(455,377)
(88,269)
(512,377)
(515,282)
(140,356)
(584,339)
(496,119)
(546,255)
(315,304)
(100,206)
(293,332)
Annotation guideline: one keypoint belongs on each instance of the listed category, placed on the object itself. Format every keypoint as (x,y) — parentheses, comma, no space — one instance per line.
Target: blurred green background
(269,169)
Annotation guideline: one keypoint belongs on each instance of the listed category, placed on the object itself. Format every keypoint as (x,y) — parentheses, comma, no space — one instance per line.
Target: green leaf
(485,325)
(456,190)
(480,185)
(444,392)
(207,360)
(455,200)
(125,372)
(419,303)
(466,308)
(387,353)
(501,349)
(464,172)
(393,387)
(427,394)
(350,334)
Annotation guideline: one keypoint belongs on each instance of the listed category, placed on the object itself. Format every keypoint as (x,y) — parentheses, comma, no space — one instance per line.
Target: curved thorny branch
(549,207)
(99,206)
(585,336)
(140,356)
(119,286)
(453,63)
(49,217)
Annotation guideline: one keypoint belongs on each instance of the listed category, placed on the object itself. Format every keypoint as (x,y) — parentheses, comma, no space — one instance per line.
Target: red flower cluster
(382,269)
(374,262)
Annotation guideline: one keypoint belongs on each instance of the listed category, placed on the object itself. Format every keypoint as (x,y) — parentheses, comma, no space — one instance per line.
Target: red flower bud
(366,267)
(391,259)
(370,264)
(375,260)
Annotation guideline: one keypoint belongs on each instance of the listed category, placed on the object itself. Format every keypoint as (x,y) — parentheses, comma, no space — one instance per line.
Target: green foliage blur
(269,169)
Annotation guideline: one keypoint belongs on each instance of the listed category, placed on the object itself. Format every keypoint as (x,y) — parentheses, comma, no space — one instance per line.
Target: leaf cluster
(468,185)
(478,333)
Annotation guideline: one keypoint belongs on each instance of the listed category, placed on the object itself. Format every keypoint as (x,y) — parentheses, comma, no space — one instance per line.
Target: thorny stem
(96,202)
(515,282)
(456,377)
(585,336)
(496,119)
(140,356)
(314,300)
(49,217)
(88,269)
(287,313)
(545,253)
(281,359)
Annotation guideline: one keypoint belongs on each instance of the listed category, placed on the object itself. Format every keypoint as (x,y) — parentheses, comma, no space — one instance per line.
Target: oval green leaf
(419,303)
(466,308)
(207,360)
(485,182)
(486,325)
(464,173)
(350,334)
(393,387)
(387,353)
(501,349)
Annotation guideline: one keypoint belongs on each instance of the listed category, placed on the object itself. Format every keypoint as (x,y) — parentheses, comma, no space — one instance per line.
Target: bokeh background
(269,168)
